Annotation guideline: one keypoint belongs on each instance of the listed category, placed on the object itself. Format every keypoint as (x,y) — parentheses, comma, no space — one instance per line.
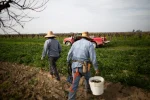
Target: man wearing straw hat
(53,49)
(81,53)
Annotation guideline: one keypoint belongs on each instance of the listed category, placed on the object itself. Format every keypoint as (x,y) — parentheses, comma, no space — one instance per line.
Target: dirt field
(19,82)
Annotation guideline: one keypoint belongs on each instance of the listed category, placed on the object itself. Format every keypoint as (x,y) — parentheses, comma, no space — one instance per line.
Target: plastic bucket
(97,85)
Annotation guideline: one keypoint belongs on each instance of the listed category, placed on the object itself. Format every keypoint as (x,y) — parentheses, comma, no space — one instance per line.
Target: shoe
(56,81)
(50,76)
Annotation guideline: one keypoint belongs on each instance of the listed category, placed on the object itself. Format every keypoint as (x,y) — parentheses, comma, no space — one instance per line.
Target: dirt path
(19,82)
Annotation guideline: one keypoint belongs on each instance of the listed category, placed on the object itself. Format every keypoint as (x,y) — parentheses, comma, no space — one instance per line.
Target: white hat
(85,34)
(50,34)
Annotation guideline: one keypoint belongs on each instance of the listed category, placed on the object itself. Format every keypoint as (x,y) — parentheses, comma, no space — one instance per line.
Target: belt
(82,62)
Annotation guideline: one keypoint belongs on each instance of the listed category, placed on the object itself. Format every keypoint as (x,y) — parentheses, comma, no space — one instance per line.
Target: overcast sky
(91,15)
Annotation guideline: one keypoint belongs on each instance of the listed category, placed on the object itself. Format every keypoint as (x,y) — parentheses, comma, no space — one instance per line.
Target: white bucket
(97,88)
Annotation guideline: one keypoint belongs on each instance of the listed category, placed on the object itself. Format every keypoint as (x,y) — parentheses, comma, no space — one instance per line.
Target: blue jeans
(77,74)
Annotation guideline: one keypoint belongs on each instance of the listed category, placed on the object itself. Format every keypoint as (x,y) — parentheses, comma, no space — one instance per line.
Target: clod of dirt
(20,82)
(96,81)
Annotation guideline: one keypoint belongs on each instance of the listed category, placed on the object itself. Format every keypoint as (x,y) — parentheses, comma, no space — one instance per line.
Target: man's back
(52,48)
(82,50)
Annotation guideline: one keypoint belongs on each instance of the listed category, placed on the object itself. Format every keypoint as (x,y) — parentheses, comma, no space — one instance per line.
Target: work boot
(56,81)
(50,76)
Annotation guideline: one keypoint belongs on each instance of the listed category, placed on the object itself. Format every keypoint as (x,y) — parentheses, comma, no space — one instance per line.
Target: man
(81,53)
(53,49)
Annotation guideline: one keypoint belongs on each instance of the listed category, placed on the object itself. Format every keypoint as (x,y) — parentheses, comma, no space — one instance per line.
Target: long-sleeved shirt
(52,48)
(82,50)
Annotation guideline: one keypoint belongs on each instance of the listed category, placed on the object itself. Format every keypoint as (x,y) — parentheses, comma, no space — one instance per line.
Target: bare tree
(16,12)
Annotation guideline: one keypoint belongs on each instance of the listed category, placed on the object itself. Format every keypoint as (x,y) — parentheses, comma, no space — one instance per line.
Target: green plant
(124,59)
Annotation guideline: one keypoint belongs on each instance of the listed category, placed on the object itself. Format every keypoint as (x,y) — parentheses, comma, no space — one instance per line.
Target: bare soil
(20,82)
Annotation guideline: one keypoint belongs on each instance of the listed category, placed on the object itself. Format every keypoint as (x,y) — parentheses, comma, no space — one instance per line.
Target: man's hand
(41,58)
(69,68)
(68,63)
(59,56)
(97,72)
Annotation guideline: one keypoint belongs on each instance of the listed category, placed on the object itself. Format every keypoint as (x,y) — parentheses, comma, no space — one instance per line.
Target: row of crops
(125,59)
(108,34)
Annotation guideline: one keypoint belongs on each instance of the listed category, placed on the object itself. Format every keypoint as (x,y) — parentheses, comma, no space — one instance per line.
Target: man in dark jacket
(53,49)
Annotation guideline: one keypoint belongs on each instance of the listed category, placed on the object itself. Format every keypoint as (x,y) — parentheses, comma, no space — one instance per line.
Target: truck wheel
(68,43)
(94,44)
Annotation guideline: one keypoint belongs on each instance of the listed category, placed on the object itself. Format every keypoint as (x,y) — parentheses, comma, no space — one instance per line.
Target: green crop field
(125,59)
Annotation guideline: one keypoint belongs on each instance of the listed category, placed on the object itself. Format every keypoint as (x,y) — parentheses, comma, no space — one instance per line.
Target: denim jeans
(53,68)
(77,74)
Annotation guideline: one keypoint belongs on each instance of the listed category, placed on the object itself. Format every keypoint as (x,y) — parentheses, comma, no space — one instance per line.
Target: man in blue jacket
(81,53)
(53,49)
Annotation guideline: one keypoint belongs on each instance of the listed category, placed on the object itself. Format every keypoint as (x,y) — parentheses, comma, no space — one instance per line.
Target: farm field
(125,59)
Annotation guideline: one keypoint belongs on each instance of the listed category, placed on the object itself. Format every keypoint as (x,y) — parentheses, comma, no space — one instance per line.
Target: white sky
(91,15)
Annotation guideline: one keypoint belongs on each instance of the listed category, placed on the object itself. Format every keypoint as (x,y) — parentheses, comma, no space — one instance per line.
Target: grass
(124,59)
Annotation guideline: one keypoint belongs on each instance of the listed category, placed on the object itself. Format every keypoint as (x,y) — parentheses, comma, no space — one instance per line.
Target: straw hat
(85,34)
(50,34)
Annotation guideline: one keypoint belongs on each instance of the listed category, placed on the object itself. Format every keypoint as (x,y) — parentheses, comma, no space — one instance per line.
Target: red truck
(97,41)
